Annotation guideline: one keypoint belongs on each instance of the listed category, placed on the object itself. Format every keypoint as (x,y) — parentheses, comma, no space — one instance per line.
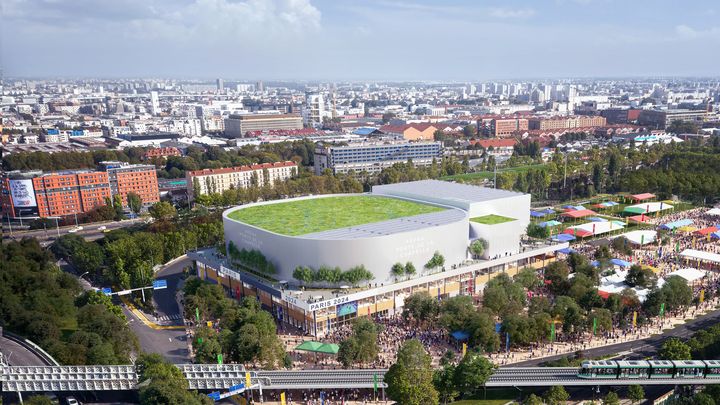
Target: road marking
(146,321)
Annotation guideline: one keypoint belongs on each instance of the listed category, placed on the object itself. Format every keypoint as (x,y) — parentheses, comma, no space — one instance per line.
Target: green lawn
(321,214)
(489,174)
(491,219)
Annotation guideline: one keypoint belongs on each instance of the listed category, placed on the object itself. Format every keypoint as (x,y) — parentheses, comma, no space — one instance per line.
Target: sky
(405,40)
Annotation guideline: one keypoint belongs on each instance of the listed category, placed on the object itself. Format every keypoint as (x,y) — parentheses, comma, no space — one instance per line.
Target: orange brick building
(139,179)
(582,121)
(52,194)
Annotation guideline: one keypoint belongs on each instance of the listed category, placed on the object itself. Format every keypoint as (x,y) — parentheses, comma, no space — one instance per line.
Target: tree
(303,274)
(361,346)
(533,399)
(421,306)
(478,247)
(39,400)
(397,270)
(534,230)
(134,202)
(636,393)
(556,395)
(437,260)
(471,373)
(410,269)
(443,380)
(675,349)
(528,278)
(166,383)
(410,379)
(162,211)
(642,277)
(611,399)
(469,131)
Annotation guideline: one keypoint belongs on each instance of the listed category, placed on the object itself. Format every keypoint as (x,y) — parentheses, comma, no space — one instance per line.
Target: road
(16,354)
(90,231)
(170,343)
(640,349)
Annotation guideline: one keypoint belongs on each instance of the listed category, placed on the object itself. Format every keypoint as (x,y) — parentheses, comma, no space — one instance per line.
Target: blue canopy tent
(537,214)
(597,219)
(563,237)
(676,224)
(715,235)
(549,223)
(621,263)
(595,263)
(460,335)
(566,251)
(548,211)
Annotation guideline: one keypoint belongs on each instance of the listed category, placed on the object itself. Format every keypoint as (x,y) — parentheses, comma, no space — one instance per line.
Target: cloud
(686,32)
(519,13)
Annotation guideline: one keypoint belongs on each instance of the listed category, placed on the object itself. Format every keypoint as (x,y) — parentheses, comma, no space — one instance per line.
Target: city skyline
(375,40)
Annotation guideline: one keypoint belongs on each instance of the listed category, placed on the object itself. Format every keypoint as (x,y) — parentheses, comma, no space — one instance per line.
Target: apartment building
(504,127)
(57,194)
(657,119)
(373,157)
(582,121)
(236,126)
(125,178)
(208,181)
(412,132)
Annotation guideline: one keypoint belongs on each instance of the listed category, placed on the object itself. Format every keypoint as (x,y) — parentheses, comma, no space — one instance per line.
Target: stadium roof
(393,226)
(446,190)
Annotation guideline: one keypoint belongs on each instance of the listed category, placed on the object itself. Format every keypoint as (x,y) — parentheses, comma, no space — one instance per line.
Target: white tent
(689,274)
(700,255)
(640,237)
(713,211)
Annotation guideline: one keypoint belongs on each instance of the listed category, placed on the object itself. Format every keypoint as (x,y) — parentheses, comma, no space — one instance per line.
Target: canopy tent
(310,346)
(647,208)
(566,251)
(460,335)
(641,237)
(689,274)
(318,347)
(642,218)
(676,224)
(537,214)
(593,228)
(715,235)
(599,242)
(706,231)
(548,211)
(597,219)
(549,223)
(713,211)
(620,262)
(574,207)
(687,229)
(606,204)
(693,254)
(563,237)
(642,197)
(578,213)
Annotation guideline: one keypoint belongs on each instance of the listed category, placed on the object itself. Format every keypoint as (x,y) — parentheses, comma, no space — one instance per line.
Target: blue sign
(215,396)
(106,290)
(159,284)
(498,327)
(236,387)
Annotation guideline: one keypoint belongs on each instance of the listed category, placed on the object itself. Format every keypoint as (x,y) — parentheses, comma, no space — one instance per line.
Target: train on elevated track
(642,369)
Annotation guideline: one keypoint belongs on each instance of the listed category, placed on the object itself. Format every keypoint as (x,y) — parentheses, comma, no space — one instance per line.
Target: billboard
(347,308)
(23,193)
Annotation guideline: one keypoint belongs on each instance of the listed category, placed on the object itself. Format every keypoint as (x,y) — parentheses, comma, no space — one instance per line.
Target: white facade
(210,181)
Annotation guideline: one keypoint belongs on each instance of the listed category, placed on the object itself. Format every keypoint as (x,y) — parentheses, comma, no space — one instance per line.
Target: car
(72,401)
(102,228)
(79,228)
(73,230)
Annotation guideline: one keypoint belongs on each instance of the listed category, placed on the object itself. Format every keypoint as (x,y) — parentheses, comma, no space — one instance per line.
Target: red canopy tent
(578,232)
(706,231)
(578,213)
(642,218)
(642,197)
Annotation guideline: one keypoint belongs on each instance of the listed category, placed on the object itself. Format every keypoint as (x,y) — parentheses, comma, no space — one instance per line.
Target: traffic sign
(215,396)
(123,292)
(159,284)
(106,290)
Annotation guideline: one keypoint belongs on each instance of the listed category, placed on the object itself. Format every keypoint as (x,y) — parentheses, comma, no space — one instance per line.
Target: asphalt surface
(643,348)
(16,354)
(170,343)
(90,231)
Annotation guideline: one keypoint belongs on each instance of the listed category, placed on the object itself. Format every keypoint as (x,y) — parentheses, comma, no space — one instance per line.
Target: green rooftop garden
(491,219)
(312,215)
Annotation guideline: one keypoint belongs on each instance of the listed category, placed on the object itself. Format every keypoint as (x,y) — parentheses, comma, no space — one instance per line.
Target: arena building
(398,223)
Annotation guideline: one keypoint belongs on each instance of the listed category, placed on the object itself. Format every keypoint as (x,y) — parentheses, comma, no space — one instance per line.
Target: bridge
(224,376)
(199,376)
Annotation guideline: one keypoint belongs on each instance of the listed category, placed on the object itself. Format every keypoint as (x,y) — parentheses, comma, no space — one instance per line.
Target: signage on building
(23,193)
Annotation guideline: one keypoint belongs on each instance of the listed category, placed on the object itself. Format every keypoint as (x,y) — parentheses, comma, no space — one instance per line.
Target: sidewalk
(146,319)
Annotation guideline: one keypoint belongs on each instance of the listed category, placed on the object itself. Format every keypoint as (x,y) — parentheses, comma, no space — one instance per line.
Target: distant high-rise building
(314,109)
(154,103)
(219,83)
(259,86)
